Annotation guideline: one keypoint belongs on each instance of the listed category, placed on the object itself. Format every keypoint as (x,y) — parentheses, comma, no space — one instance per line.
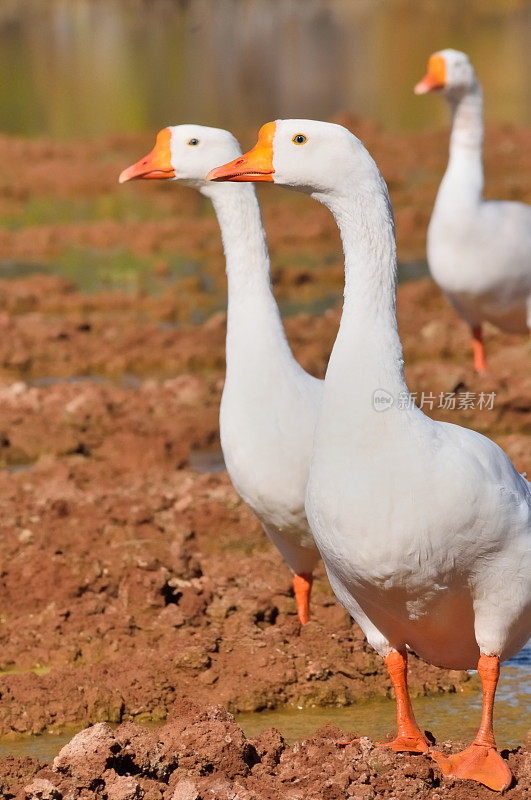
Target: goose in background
(479,251)
(424,527)
(269,403)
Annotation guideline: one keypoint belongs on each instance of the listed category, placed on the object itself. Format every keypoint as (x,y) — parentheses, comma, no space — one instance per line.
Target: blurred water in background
(85,68)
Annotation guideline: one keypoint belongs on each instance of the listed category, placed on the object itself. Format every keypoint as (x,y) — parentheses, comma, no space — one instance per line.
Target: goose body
(481,258)
(446,581)
(424,527)
(269,403)
(479,251)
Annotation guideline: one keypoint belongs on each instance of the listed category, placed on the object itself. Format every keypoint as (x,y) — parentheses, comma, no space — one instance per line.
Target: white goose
(269,404)
(479,251)
(423,526)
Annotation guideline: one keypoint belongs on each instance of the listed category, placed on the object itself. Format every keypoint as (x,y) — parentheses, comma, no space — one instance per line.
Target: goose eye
(299,138)
(193,142)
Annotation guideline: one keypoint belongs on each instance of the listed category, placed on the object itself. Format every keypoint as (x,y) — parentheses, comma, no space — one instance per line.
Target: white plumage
(479,251)
(269,403)
(424,527)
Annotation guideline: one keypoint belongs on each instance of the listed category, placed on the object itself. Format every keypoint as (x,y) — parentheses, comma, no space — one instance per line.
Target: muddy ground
(132,575)
(202,754)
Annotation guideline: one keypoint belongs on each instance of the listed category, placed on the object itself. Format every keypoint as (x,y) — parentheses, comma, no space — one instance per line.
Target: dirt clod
(42,789)
(202,753)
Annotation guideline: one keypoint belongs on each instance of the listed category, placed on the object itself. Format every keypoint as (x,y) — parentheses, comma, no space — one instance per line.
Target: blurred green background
(91,67)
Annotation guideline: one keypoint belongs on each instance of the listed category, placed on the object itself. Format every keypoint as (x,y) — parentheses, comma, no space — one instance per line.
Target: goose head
(450,72)
(317,158)
(184,153)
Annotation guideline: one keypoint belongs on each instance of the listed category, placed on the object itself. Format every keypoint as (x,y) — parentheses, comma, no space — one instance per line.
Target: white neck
(462,184)
(254,326)
(367,354)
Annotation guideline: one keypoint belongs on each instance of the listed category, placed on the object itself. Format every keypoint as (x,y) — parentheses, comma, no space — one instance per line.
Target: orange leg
(302,585)
(481,761)
(480,364)
(410,738)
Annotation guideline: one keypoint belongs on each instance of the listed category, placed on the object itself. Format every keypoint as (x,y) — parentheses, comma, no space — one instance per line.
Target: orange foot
(416,743)
(477,763)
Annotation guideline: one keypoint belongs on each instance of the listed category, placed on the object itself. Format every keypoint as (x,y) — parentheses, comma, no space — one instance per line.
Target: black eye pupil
(193,142)
(300,138)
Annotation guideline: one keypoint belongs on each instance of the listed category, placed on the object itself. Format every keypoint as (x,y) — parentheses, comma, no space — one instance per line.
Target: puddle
(54,380)
(95,270)
(44,747)
(39,670)
(14,469)
(407,271)
(206,461)
(412,270)
(314,305)
(128,380)
(10,269)
(215,300)
(448,716)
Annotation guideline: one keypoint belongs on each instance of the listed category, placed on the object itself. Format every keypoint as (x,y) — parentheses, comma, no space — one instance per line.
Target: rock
(88,752)
(189,388)
(171,616)
(193,658)
(185,790)
(366,746)
(208,677)
(123,788)
(206,740)
(269,747)
(42,789)
(25,536)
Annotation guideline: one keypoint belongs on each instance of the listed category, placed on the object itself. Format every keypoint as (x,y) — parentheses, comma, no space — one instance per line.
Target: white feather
(424,527)
(479,251)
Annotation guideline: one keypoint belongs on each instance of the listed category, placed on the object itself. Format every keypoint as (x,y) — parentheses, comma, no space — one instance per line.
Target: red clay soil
(202,754)
(132,580)
(139,583)
(69,202)
(137,580)
(411,163)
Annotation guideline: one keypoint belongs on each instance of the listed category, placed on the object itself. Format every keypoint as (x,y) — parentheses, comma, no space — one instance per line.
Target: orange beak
(156,164)
(435,77)
(256,165)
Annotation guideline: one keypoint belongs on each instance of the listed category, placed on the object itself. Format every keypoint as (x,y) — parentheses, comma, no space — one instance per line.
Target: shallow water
(46,381)
(14,469)
(447,716)
(127,380)
(84,68)
(44,747)
(207,461)
(96,270)
(89,280)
